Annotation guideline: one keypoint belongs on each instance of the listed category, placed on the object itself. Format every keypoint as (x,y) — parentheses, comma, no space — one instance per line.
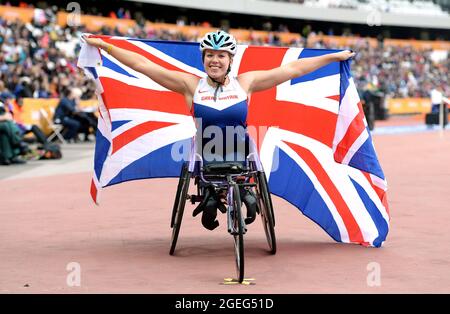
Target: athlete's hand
(96,42)
(344,55)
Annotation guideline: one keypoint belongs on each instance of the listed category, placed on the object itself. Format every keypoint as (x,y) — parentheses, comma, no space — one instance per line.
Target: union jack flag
(311,132)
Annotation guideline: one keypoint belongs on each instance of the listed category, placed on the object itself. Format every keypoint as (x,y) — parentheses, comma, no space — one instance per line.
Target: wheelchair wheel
(238,233)
(178,207)
(267,215)
(184,169)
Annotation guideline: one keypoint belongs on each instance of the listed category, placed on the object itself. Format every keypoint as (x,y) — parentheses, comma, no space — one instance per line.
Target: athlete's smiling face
(216,63)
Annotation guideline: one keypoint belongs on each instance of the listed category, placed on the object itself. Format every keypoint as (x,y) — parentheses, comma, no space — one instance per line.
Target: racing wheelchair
(228,178)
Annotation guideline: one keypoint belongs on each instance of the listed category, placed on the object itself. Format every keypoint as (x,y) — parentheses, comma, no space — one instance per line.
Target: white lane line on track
(406,129)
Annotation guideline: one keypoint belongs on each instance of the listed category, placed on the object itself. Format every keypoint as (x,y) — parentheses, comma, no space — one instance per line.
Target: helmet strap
(220,84)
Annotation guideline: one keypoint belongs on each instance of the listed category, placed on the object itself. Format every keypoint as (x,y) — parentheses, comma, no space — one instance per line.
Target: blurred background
(401,68)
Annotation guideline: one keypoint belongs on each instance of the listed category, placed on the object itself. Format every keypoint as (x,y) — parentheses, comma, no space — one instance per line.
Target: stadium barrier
(419,44)
(240,34)
(341,41)
(94,23)
(31,110)
(10,13)
(408,105)
(352,41)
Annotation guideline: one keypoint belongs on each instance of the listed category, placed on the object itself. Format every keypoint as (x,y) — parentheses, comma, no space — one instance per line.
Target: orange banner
(341,41)
(419,44)
(240,34)
(408,105)
(95,23)
(31,110)
(354,40)
(13,13)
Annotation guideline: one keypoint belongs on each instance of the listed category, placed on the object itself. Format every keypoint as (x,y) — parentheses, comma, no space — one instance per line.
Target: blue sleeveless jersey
(221,122)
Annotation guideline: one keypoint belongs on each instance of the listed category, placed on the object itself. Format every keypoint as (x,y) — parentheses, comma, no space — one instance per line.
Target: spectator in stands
(205,24)
(65,114)
(306,31)
(73,118)
(14,108)
(23,88)
(88,122)
(181,21)
(11,145)
(39,91)
(437,99)
(113,15)
(35,58)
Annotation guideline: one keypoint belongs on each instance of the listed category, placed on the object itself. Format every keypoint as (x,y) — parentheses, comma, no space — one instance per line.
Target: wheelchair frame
(231,180)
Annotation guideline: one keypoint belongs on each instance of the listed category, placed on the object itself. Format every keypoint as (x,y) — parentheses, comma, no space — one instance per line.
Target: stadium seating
(417,7)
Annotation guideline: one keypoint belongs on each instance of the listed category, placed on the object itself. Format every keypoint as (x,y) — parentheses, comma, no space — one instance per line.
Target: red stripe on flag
(354,130)
(103,95)
(94,191)
(135,132)
(120,95)
(382,195)
(385,204)
(335,97)
(354,232)
(265,111)
(131,47)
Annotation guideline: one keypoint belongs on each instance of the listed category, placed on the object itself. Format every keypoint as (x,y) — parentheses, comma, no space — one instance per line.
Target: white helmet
(219,40)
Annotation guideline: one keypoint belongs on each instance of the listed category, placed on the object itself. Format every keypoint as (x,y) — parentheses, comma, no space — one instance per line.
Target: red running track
(123,245)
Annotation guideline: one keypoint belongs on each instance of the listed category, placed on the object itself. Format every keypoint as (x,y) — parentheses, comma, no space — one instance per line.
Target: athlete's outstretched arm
(176,81)
(259,80)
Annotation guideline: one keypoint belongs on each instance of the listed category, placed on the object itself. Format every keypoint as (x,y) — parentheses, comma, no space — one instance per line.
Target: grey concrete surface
(77,157)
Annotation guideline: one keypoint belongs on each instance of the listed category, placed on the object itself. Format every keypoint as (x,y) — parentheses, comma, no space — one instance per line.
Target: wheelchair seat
(224,168)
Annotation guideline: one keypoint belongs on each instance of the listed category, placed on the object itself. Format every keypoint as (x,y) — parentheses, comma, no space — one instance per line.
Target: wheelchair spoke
(239,236)
(265,203)
(178,209)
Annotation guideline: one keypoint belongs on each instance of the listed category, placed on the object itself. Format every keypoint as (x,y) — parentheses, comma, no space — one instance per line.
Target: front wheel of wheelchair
(267,215)
(178,206)
(238,234)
